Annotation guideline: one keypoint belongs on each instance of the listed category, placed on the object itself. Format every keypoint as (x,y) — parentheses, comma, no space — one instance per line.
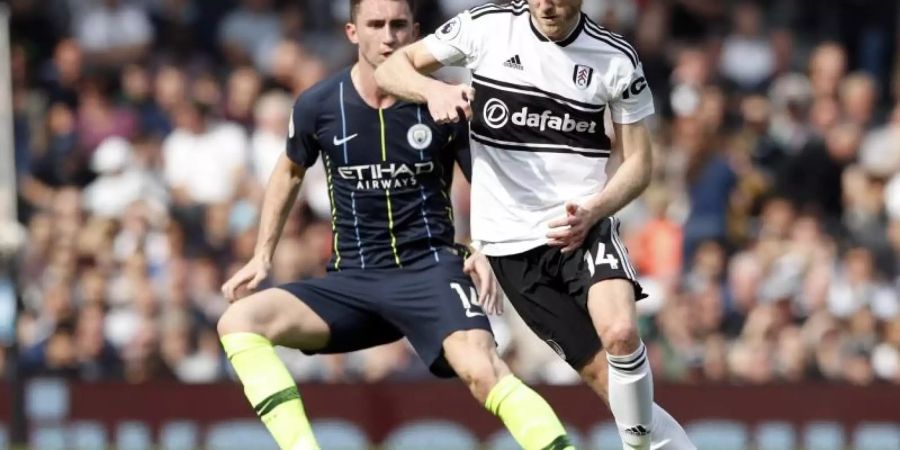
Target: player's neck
(363,77)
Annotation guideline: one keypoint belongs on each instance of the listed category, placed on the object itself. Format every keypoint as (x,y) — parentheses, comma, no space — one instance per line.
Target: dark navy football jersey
(389,172)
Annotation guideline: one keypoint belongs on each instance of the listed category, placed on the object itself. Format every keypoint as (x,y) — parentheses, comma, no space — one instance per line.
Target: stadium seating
(340,435)
(433,435)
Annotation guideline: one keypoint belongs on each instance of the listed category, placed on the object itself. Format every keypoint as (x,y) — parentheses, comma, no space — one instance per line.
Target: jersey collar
(568,40)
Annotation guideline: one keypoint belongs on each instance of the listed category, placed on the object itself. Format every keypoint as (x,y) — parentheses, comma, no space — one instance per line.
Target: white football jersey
(537,135)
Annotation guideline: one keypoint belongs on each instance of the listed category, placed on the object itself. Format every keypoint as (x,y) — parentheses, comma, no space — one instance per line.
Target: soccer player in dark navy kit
(395,270)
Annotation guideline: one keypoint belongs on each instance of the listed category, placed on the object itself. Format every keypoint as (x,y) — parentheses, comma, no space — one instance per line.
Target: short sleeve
(632,100)
(457,42)
(302,143)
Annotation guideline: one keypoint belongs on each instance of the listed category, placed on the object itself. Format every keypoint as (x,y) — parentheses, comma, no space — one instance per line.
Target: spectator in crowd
(709,179)
(119,182)
(748,59)
(113,32)
(62,75)
(204,160)
(270,131)
(244,32)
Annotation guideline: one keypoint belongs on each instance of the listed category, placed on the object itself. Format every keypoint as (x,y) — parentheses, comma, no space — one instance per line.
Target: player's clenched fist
(246,279)
(450,103)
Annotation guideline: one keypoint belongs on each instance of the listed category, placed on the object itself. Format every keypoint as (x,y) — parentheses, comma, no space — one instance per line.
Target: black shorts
(425,301)
(549,289)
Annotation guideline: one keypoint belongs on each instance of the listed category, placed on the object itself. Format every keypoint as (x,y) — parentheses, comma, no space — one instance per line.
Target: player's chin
(554,29)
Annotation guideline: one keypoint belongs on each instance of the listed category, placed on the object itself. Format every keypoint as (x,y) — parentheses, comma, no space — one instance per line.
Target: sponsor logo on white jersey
(496,114)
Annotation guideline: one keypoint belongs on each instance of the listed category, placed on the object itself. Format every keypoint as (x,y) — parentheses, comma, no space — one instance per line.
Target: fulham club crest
(582,76)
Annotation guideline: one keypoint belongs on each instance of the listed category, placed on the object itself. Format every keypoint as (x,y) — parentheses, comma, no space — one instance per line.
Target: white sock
(666,433)
(631,397)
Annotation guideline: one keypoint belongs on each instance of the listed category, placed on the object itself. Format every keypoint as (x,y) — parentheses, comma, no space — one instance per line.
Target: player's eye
(399,24)
(376,24)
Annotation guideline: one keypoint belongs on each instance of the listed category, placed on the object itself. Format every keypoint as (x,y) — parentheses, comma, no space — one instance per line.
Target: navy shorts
(425,301)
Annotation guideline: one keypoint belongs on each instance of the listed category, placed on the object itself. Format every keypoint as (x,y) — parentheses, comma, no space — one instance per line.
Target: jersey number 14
(602,258)
(470,303)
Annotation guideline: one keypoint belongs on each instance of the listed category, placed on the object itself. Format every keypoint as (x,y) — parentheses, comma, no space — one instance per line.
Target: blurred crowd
(769,238)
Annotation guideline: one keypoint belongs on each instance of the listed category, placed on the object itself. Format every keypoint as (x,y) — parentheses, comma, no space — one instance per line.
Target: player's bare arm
(632,176)
(478,267)
(404,74)
(632,145)
(281,192)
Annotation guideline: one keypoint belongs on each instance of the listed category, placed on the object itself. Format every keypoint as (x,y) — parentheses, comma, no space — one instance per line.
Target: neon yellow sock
(271,390)
(527,416)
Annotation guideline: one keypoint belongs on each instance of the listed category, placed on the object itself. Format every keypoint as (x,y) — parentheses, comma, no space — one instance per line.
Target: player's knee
(240,317)
(620,337)
(229,323)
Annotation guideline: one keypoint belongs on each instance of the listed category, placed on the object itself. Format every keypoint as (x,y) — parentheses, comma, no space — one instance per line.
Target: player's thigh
(605,267)
(277,315)
(347,302)
(431,303)
(612,308)
(551,312)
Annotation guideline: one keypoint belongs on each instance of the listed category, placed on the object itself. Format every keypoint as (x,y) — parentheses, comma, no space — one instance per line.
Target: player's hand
(451,103)
(570,231)
(245,280)
(478,267)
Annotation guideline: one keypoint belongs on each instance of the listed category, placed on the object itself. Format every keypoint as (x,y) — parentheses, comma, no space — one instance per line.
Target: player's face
(555,18)
(382,27)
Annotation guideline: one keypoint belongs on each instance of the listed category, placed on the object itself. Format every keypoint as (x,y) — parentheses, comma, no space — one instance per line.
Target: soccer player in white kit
(544,76)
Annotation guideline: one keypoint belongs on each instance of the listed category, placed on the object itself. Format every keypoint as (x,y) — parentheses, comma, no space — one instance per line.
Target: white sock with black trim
(667,433)
(631,397)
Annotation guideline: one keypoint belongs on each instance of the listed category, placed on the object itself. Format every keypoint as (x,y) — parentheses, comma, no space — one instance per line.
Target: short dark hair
(354,6)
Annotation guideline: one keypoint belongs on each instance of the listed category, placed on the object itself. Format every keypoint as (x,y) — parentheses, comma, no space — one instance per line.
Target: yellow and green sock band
(270,389)
(527,416)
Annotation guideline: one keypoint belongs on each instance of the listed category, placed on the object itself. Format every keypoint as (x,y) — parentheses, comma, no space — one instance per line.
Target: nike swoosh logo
(473,314)
(344,140)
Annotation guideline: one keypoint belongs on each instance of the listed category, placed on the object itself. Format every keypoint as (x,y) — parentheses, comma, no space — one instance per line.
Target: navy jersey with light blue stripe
(389,173)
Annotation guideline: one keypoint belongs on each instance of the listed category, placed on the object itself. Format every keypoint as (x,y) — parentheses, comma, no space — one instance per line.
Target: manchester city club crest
(582,76)
(419,136)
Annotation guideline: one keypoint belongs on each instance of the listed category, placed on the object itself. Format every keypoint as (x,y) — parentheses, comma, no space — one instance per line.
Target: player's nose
(389,38)
(546,7)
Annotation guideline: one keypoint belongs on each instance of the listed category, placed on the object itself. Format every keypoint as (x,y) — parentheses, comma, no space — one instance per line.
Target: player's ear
(350,29)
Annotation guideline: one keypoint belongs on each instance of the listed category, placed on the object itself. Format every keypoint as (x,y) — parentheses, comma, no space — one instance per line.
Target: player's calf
(248,329)
(630,383)
(473,357)
(529,418)
(596,375)
(665,432)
